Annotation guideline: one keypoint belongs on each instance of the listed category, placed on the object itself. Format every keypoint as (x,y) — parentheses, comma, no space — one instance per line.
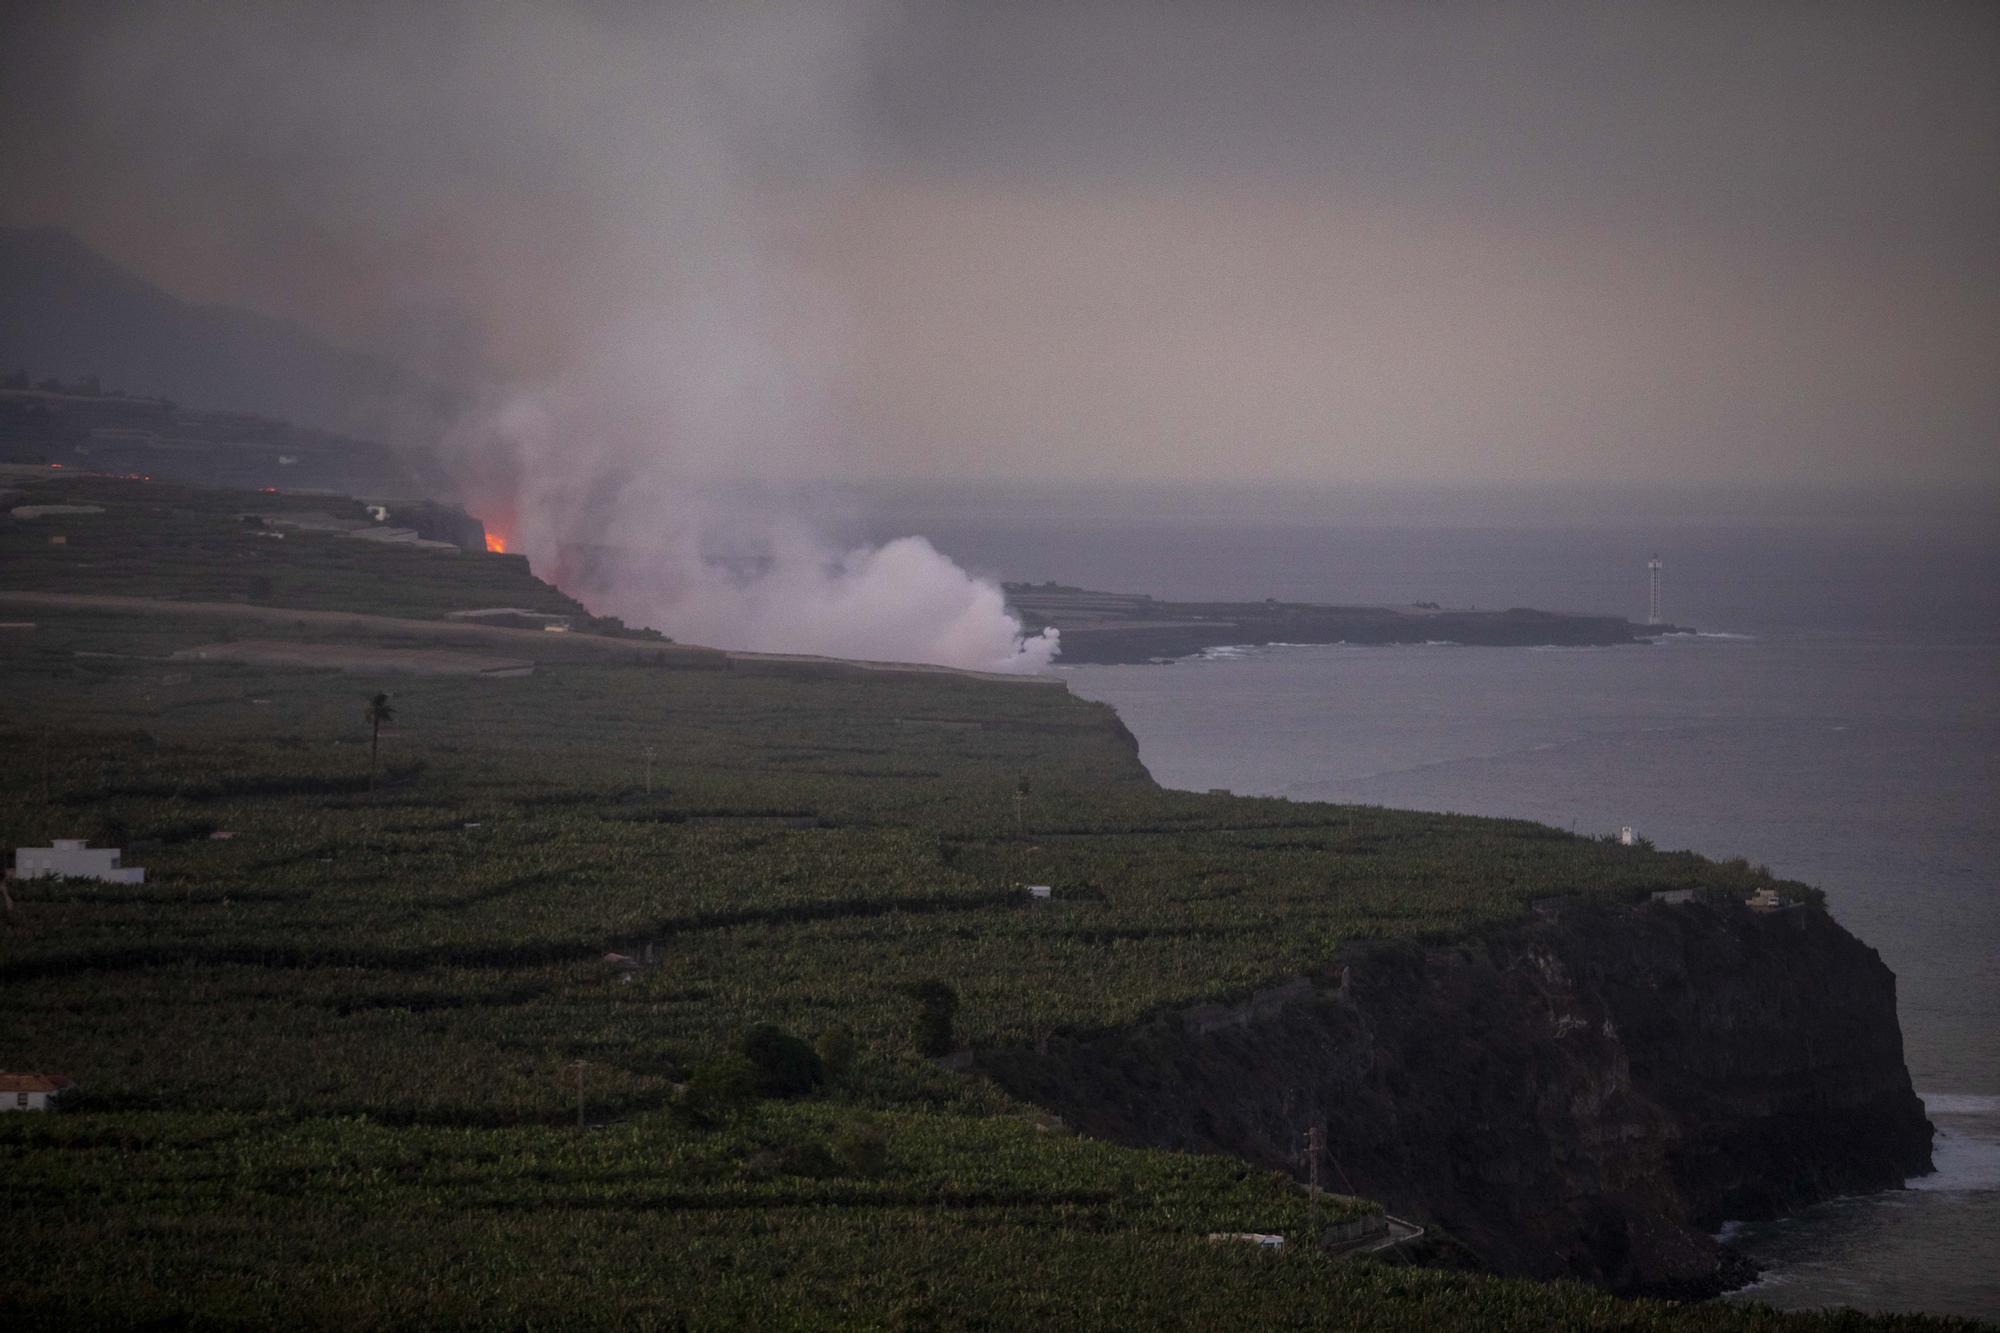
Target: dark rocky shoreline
(1101,628)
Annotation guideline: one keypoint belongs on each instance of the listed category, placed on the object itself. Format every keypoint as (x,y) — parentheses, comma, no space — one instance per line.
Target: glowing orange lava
(495,542)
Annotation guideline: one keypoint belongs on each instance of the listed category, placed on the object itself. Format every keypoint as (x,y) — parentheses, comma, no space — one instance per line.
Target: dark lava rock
(1587,1094)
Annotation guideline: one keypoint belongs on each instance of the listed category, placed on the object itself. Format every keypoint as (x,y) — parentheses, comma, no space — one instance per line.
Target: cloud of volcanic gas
(691,354)
(627,526)
(623,211)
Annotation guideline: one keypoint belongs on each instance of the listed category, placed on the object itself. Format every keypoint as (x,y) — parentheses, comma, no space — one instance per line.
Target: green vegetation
(973,1223)
(160,539)
(330,1063)
(814,849)
(787,1066)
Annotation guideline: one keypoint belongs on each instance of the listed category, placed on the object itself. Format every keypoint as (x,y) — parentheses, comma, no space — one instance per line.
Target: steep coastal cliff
(1588,1093)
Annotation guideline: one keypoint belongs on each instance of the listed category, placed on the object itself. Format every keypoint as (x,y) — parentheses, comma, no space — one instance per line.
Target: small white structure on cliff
(73,858)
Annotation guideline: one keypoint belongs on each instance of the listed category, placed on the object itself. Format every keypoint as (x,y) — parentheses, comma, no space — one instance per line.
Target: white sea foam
(1967,1150)
(1966,1163)
(1960,1103)
(1696,635)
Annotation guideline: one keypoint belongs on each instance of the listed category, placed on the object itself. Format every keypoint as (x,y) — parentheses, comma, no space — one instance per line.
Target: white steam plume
(712,357)
(634,536)
(627,206)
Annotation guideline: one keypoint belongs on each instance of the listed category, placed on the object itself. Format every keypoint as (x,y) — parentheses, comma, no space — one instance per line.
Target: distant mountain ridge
(68,312)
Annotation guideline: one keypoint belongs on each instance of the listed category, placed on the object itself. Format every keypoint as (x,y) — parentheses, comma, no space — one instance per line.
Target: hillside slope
(67,311)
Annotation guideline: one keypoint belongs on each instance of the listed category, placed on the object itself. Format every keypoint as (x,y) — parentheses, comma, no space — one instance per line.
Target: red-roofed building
(32,1092)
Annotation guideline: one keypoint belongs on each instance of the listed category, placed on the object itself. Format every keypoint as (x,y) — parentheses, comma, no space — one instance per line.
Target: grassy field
(330,1064)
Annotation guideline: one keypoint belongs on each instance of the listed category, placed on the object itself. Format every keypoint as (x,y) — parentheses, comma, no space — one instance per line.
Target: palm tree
(377,713)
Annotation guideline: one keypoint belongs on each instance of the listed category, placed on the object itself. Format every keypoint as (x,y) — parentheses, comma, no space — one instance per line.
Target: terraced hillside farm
(347,1027)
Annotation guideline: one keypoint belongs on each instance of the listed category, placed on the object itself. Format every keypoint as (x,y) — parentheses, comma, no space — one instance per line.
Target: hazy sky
(1324,242)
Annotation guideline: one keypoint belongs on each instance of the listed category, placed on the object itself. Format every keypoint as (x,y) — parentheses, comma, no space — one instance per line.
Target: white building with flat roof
(71,857)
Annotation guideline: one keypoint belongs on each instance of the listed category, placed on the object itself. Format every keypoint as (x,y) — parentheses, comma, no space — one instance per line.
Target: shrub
(810,1159)
(936,1003)
(862,1147)
(836,1049)
(803,1157)
(785,1065)
(719,1088)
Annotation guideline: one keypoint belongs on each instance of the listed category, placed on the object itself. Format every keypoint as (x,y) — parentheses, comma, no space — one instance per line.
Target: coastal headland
(1106,628)
(1587,1092)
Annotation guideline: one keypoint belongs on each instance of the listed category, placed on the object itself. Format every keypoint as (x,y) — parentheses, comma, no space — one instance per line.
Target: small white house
(1040,891)
(32,1092)
(1260,1238)
(1626,838)
(71,857)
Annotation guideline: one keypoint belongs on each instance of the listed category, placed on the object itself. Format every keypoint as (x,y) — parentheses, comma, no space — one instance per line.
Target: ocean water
(1836,717)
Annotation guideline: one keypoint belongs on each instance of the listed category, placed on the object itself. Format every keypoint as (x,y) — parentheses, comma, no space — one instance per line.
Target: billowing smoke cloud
(618,206)
(708,350)
(635,535)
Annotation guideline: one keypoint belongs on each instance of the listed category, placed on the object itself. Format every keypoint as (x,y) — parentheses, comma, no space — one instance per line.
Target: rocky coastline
(1587,1093)
(1108,628)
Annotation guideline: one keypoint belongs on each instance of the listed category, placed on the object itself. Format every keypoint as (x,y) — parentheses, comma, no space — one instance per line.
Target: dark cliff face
(1584,1095)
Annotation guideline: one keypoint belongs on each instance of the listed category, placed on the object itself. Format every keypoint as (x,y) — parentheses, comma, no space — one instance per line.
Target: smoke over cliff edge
(631,534)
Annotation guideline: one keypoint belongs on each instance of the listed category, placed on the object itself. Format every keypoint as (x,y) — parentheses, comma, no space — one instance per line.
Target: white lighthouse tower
(1653,568)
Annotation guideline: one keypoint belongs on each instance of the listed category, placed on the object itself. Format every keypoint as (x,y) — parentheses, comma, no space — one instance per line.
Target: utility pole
(650,752)
(578,1067)
(1315,1150)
